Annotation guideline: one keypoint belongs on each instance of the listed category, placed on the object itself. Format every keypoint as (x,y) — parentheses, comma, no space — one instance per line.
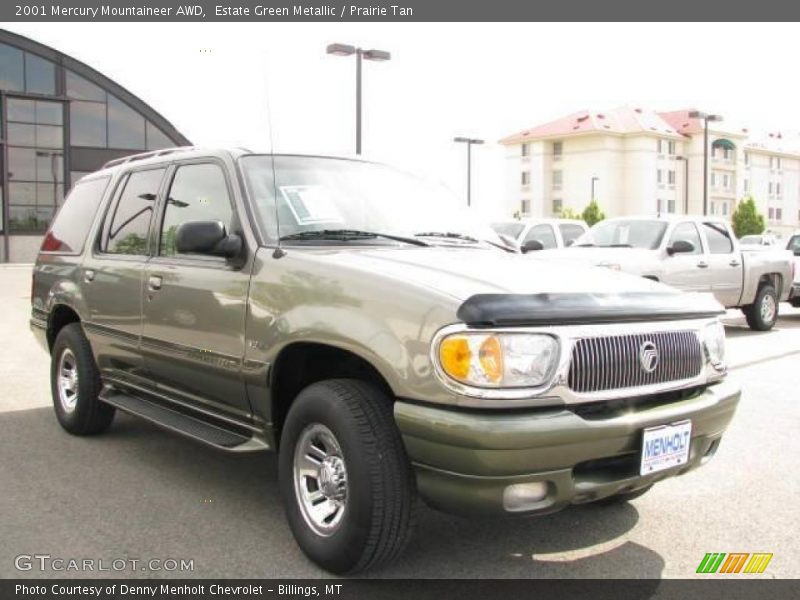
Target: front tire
(763,313)
(347,485)
(75,384)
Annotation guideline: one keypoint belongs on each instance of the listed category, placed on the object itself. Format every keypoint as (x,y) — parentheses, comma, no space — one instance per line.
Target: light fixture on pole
(696,114)
(375,55)
(469,142)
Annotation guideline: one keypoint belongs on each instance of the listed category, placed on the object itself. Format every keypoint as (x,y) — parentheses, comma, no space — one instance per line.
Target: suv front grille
(624,361)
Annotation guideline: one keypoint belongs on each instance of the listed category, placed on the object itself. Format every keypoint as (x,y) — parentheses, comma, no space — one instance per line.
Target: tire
(762,314)
(376,520)
(626,497)
(76,403)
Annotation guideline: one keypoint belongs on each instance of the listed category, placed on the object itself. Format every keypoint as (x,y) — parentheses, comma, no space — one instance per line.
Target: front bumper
(465,460)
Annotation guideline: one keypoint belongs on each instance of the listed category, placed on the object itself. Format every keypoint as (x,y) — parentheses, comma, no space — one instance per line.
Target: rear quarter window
(71,226)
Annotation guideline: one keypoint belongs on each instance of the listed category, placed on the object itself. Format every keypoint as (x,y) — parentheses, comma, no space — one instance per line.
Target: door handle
(88,275)
(154,283)
(734,263)
(702,265)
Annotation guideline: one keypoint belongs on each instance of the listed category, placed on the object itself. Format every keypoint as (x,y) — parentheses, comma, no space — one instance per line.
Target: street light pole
(469,142)
(594,180)
(685,160)
(361,54)
(696,114)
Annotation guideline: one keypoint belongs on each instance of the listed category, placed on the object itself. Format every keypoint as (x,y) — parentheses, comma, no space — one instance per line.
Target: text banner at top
(399,10)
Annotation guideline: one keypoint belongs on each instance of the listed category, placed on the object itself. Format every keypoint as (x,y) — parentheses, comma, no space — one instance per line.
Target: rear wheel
(347,485)
(75,384)
(762,314)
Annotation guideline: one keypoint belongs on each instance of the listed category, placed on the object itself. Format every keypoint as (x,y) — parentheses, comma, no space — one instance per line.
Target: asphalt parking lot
(138,492)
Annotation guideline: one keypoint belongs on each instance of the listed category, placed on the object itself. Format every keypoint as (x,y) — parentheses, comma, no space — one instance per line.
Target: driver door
(687,271)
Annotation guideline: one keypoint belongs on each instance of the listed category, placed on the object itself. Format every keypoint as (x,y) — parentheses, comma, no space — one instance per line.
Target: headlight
(498,360)
(714,342)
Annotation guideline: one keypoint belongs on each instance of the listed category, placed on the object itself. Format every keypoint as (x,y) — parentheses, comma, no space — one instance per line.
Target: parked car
(761,240)
(793,246)
(541,234)
(698,254)
(313,306)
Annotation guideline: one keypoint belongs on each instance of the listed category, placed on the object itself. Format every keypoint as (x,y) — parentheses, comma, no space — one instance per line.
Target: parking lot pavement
(138,492)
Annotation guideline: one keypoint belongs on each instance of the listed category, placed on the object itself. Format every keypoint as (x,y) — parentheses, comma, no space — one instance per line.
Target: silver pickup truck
(698,254)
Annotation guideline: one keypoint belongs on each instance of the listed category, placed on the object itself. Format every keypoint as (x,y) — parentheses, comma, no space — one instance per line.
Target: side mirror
(207,237)
(680,247)
(531,245)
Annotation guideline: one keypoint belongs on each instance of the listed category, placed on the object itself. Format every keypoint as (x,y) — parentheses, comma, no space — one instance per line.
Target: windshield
(328,199)
(624,233)
(512,229)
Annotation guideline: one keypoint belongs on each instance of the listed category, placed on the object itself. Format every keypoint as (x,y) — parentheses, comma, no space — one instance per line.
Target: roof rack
(143,155)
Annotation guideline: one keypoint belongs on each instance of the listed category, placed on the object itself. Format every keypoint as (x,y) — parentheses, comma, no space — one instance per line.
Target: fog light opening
(524,496)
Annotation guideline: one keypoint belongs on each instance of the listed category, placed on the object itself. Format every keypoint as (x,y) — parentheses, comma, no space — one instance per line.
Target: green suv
(345,315)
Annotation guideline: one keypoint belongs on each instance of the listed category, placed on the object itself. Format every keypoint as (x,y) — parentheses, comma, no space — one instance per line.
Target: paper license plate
(665,446)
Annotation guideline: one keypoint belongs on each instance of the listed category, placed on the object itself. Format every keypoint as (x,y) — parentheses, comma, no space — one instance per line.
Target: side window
(719,242)
(542,233)
(688,233)
(570,233)
(198,193)
(71,226)
(127,225)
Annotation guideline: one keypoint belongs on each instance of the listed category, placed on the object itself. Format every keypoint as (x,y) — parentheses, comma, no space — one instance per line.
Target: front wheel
(762,314)
(347,485)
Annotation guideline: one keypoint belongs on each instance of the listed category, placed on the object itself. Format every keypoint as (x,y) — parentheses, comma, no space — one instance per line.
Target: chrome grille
(613,362)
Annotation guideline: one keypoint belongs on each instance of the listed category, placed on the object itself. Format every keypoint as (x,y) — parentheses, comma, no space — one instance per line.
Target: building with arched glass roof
(59,120)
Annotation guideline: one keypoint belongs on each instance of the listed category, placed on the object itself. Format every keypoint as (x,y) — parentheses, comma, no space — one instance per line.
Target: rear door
(112,275)
(687,270)
(195,306)
(570,232)
(724,262)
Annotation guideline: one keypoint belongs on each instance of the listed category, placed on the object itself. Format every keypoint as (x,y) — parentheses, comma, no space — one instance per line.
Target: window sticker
(311,204)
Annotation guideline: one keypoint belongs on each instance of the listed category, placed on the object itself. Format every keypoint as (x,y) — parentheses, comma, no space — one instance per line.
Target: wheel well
(774,279)
(60,316)
(301,364)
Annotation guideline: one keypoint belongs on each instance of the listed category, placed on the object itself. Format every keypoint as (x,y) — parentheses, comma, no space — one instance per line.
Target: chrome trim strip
(557,390)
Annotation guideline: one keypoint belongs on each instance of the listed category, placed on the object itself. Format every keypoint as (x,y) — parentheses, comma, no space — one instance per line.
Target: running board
(193,427)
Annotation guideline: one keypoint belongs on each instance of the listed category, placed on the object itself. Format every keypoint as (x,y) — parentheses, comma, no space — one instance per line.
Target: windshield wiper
(452,235)
(346,235)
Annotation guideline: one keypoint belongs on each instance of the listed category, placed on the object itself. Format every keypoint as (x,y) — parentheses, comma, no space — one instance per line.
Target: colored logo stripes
(734,562)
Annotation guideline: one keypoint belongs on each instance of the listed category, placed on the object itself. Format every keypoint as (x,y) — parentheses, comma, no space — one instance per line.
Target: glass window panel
(69,231)
(125,126)
(87,124)
(157,139)
(543,234)
(21,110)
(40,75)
(719,242)
(49,136)
(130,221)
(21,164)
(197,193)
(83,89)
(29,218)
(11,69)
(21,193)
(49,165)
(22,134)
(49,113)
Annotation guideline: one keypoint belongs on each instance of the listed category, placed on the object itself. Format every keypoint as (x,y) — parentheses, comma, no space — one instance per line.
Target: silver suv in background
(699,254)
(541,234)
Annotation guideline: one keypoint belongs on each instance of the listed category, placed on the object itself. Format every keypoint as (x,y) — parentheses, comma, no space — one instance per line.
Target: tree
(568,213)
(746,219)
(592,213)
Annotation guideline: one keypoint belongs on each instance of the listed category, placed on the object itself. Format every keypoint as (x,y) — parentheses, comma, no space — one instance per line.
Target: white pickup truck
(698,254)
(793,246)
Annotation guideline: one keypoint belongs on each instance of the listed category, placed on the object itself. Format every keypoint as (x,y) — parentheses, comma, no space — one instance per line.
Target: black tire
(626,497)
(88,415)
(377,520)
(753,313)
